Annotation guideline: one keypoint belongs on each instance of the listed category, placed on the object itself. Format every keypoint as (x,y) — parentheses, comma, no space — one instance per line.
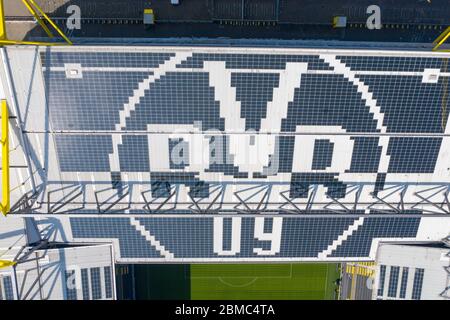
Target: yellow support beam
(5,204)
(50,21)
(441,39)
(38,18)
(6,263)
(2,22)
(37,13)
(30,43)
(441,36)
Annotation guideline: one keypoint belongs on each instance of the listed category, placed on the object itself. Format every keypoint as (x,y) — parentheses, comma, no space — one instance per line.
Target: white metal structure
(413,271)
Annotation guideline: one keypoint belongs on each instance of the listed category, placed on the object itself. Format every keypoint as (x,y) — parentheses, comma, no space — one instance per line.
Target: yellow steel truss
(41,17)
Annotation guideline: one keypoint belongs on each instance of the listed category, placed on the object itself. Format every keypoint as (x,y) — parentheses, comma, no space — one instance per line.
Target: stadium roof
(403,21)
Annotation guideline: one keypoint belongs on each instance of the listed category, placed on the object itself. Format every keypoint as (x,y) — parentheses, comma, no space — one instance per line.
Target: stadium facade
(412,271)
(225,154)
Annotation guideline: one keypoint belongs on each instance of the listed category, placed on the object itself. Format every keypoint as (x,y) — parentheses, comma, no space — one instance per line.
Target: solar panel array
(185,95)
(85,283)
(417,284)
(213,238)
(319,116)
(6,283)
(393,281)
(70,282)
(381,280)
(404,282)
(96,285)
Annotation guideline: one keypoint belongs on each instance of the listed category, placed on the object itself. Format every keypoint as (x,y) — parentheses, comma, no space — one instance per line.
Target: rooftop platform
(403,21)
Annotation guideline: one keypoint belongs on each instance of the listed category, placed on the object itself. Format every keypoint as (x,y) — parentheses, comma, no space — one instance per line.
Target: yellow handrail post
(5,204)
(2,22)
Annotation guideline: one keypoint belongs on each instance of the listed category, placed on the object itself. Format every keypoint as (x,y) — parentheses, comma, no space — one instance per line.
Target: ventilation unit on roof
(73,70)
(431,75)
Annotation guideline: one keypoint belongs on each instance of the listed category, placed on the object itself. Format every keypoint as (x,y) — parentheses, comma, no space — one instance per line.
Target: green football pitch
(237,281)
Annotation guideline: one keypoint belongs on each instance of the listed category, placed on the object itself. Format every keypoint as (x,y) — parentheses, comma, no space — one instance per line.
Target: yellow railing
(6,263)
(5,203)
(40,16)
(441,39)
(2,22)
